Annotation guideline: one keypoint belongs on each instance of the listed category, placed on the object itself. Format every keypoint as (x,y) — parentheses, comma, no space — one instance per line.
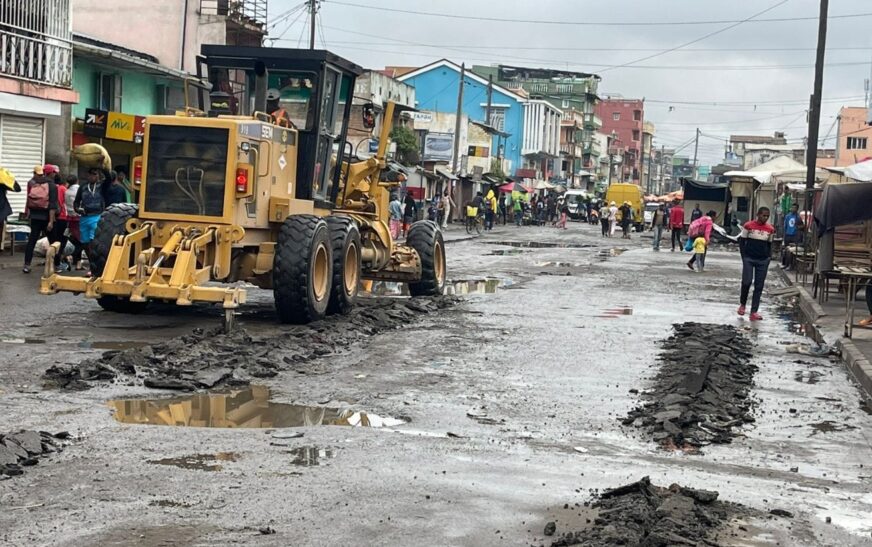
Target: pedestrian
(564,213)
(432,213)
(518,211)
(124,181)
(699,250)
(659,222)
(440,212)
(410,213)
(395,209)
(793,227)
(113,191)
(59,232)
(504,209)
(604,218)
(73,233)
(490,210)
(702,227)
(696,213)
(755,246)
(41,209)
(626,219)
(90,205)
(676,223)
(7,183)
(449,206)
(551,206)
(613,218)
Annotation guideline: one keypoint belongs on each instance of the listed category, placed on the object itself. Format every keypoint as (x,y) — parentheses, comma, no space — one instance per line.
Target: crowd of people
(65,210)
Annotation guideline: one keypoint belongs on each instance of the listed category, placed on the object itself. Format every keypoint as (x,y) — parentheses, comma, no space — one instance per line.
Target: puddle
(21,341)
(556,264)
(508,252)
(541,244)
(618,311)
(808,376)
(169,503)
(475,286)
(248,408)
(308,456)
(829,426)
(119,346)
(605,254)
(200,462)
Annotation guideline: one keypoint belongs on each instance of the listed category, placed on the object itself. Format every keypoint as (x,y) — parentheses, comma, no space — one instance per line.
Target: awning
(445,172)
(490,130)
(543,185)
(860,171)
(584,173)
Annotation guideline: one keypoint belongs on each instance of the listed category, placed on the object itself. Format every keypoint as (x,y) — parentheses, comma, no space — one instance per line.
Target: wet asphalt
(512,402)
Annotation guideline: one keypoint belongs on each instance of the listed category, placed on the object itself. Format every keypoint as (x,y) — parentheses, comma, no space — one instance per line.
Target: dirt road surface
(488,419)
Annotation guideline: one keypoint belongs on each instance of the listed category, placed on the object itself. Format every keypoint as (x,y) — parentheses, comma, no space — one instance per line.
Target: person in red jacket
(755,245)
(676,223)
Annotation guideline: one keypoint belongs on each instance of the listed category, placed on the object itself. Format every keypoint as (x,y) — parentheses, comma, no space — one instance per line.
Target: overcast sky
(375,38)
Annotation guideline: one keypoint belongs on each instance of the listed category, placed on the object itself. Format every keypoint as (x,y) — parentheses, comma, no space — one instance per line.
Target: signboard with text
(95,123)
(120,126)
(438,146)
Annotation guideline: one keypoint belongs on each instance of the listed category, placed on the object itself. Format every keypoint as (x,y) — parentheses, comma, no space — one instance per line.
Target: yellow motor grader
(240,188)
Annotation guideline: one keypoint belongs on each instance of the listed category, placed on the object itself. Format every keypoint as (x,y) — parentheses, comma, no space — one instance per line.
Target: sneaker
(690,267)
(756,316)
(741,310)
(26,268)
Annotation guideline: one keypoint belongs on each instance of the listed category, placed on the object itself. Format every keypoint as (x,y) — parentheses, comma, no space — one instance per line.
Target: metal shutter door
(22,146)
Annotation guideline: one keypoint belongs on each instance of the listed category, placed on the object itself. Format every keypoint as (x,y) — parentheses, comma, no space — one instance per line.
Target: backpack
(37,195)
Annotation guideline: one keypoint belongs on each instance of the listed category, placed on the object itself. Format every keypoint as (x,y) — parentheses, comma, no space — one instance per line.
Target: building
(747,151)
(36,77)
(571,147)
(172,31)
(624,119)
(855,137)
(377,88)
(662,180)
(569,91)
(648,131)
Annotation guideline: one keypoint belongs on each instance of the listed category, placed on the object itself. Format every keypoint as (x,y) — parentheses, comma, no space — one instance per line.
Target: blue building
(436,87)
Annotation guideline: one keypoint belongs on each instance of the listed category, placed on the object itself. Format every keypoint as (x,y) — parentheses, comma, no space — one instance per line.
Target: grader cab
(256,183)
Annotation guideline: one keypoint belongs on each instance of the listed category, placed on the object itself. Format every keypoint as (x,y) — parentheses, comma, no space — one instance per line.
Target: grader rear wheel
(112,223)
(426,238)
(303,269)
(345,239)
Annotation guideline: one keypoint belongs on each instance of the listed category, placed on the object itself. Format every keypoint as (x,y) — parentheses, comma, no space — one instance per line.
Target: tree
(407,145)
(496,169)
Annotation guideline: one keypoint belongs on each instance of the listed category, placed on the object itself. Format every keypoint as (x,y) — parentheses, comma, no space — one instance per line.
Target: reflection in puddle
(21,341)
(201,462)
(605,254)
(112,345)
(556,264)
(507,252)
(249,408)
(475,286)
(829,426)
(618,311)
(540,244)
(808,376)
(307,456)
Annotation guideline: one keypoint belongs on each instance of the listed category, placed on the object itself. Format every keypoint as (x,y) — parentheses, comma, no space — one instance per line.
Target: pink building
(622,122)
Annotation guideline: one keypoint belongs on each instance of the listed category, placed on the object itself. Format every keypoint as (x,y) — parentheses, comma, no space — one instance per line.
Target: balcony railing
(41,60)
(571,149)
(248,12)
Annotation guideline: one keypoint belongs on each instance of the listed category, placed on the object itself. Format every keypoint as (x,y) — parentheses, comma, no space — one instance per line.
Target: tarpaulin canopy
(860,171)
(543,185)
(512,187)
(781,168)
(843,204)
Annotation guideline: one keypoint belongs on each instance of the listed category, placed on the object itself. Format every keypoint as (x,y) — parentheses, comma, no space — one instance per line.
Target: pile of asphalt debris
(208,359)
(700,394)
(24,448)
(643,514)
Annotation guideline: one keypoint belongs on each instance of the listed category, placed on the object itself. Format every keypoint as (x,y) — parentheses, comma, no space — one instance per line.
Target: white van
(576,200)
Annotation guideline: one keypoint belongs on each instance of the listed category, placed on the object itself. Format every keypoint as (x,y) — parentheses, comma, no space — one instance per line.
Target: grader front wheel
(426,239)
(345,239)
(303,269)
(112,223)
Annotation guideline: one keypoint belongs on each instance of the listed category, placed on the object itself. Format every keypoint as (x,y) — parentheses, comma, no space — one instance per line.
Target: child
(699,251)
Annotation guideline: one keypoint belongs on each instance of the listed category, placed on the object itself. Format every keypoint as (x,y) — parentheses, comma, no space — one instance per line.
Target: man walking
(792,231)
(89,203)
(658,223)
(676,223)
(755,245)
(604,218)
(448,207)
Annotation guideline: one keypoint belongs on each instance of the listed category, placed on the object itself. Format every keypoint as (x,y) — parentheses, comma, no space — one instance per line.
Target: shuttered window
(22,146)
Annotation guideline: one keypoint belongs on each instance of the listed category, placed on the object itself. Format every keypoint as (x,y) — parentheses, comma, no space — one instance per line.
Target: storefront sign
(438,146)
(139,129)
(95,123)
(478,151)
(120,126)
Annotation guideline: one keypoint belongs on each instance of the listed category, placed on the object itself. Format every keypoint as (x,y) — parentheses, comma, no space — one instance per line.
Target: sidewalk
(828,322)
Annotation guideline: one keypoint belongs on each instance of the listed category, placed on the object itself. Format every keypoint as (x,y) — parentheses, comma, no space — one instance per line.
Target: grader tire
(345,240)
(302,269)
(112,223)
(426,238)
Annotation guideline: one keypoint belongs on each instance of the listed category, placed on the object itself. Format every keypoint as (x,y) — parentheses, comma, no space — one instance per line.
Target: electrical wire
(587,23)
(292,23)
(318,19)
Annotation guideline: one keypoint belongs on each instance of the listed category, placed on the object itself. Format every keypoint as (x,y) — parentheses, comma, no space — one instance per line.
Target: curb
(853,359)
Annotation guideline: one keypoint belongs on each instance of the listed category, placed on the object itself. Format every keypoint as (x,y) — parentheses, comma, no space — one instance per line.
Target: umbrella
(512,187)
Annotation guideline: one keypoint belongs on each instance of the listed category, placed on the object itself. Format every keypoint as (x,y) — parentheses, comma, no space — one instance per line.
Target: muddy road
(496,420)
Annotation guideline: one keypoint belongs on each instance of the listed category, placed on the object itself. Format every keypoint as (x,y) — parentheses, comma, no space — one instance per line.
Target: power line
(292,23)
(700,39)
(321,29)
(587,23)
(731,122)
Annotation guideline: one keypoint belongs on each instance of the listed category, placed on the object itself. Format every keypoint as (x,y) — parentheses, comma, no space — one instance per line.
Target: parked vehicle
(621,192)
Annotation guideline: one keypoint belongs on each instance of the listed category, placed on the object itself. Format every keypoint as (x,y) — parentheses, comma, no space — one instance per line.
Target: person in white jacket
(448,206)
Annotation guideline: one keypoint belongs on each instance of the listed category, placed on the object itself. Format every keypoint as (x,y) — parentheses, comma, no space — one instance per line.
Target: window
(498,118)
(635,134)
(857,143)
(637,115)
(565,103)
(109,92)
(616,116)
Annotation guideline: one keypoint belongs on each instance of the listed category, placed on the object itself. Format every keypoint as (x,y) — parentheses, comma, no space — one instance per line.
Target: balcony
(592,121)
(35,42)
(249,13)
(571,149)
(593,148)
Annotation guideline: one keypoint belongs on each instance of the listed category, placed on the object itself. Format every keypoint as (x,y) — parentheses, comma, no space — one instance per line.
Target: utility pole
(695,151)
(456,159)
(313,10)
(815,117)
(662,168)
(650,162)
(490,98)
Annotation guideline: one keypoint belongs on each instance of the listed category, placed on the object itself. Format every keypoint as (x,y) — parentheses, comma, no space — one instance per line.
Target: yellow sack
(7,179)
(92,155)
(471,211)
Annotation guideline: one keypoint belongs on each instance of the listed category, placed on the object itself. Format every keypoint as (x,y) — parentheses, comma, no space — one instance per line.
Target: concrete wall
(436,90)
(139,93)
(852,123)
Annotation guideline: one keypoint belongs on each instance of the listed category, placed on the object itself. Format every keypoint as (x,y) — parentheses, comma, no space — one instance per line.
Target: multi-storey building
(648,131)
(854,142)
(624,118)
(574,92)
(36,76)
